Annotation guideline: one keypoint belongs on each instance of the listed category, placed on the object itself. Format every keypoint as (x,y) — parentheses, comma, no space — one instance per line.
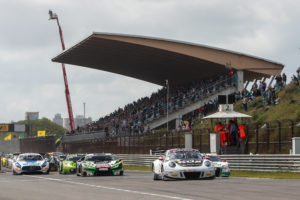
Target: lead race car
(99,164)
(30,162)
(182,164)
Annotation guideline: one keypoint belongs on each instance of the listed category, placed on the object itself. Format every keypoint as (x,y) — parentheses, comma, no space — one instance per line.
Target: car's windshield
(99,158)
(30,157)
(184,155)
(74,158)
(214,158)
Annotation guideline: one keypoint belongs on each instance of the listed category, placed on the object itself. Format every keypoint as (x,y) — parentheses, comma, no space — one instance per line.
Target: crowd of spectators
(133,117)
(269,95)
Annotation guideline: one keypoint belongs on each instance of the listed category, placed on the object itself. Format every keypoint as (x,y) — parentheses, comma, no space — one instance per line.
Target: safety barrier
(237,162)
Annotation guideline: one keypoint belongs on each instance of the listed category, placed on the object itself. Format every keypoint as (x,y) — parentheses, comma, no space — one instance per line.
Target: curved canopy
(155,60)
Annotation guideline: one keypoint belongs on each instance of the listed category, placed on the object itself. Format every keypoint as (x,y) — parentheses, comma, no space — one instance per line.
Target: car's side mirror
(161,158)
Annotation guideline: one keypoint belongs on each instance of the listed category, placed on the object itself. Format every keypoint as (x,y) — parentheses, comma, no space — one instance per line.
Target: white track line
(112,188)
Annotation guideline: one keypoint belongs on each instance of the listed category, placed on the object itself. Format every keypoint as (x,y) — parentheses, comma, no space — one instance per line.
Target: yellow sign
(41,133)
(3,127)
(8,137)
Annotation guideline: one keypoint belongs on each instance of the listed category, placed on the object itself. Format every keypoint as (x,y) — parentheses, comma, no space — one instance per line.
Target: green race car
(68,165)
(100,164)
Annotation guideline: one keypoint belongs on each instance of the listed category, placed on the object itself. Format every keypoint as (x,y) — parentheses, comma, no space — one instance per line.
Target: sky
(31,82)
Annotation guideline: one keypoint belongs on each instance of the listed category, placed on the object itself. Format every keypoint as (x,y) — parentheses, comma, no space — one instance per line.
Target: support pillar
(188,140)
(215,145)
(240,80)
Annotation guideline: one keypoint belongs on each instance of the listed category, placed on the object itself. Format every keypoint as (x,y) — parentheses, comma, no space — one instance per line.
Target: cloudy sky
(31,82)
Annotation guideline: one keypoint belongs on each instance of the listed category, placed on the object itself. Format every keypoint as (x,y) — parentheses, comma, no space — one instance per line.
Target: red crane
(68,98)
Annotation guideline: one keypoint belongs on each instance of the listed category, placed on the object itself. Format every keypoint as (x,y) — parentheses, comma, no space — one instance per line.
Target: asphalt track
(139,185)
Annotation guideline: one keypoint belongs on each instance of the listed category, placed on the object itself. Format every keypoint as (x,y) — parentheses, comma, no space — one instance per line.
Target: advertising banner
(3,127)
(19,128)
(41,133)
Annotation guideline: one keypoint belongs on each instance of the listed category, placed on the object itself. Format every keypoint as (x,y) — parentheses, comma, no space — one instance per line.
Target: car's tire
(163,177)
(14,173)
(61,169)
(211,178)
(155,177)
(83,174)
(77,171)
(121,173)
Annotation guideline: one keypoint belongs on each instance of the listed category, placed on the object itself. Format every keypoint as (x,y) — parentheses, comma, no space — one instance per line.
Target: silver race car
(182,164)
(30,162)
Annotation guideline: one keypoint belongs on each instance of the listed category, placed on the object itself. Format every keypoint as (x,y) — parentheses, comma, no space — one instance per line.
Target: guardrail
(237,162)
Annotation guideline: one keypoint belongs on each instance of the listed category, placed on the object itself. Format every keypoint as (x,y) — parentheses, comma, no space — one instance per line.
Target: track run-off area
(139,185)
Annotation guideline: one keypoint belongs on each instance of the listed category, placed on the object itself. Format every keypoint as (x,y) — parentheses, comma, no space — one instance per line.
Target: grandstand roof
(155,60)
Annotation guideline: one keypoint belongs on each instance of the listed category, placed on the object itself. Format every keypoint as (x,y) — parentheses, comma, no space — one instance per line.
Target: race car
(68,165)
(182,164)
(99,164)
(30,162)
(222,167)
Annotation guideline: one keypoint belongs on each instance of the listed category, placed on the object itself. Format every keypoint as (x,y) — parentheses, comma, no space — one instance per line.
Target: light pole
(83,113)
(68,98)
(167,84)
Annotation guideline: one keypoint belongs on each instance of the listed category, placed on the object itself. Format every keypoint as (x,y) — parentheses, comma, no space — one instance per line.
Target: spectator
(245,102)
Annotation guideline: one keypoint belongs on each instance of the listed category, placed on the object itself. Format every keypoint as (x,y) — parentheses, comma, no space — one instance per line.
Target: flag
(8,137)
(58,142)
(41,133)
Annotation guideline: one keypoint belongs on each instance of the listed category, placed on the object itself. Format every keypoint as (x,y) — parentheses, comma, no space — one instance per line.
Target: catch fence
(269,137)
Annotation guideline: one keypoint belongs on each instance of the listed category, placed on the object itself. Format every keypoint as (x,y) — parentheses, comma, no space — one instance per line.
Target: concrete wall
(10,146)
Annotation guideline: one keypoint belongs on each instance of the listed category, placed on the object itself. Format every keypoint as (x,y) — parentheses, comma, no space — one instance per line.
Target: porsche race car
(68,165)
(99,164)
(182,164)
(222,167)
(30,162)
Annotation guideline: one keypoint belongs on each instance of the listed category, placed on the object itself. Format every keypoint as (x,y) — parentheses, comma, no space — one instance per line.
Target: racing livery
(182,164)
(30,162)
(68,165)
(222,167)
(99,164)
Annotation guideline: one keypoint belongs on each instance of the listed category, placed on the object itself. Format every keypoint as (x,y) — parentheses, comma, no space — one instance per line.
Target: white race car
(182,164)
(222,167)
(30,162)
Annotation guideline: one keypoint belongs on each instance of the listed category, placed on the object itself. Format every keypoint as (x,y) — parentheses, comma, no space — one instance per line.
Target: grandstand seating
(151,111)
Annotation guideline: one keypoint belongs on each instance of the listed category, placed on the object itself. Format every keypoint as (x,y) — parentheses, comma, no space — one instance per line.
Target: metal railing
(237,162)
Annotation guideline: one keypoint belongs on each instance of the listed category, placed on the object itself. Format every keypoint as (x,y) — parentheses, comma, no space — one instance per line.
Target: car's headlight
(172,164)
(18,165)
(207,163)
(44,164)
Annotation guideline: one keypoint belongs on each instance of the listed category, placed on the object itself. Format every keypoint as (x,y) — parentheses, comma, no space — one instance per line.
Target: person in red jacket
(242,137)
(221,130)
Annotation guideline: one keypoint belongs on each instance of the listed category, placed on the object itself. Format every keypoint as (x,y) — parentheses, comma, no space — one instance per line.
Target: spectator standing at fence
(262,90)
(245,102)
(221,131)
(284,79)
(242,137)
(298,73)
(233,130)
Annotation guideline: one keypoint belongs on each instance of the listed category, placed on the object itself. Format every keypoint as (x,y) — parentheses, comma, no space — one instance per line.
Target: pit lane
(139,185)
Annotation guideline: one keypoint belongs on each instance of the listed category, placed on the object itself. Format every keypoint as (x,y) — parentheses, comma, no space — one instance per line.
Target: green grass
(236,173)
(137,167)
(288,108)
(272,175)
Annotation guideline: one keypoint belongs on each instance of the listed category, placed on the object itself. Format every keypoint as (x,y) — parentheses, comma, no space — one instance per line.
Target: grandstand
(196,75)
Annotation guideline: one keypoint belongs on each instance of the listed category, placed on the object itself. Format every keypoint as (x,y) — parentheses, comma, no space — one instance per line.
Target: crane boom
(67,92)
